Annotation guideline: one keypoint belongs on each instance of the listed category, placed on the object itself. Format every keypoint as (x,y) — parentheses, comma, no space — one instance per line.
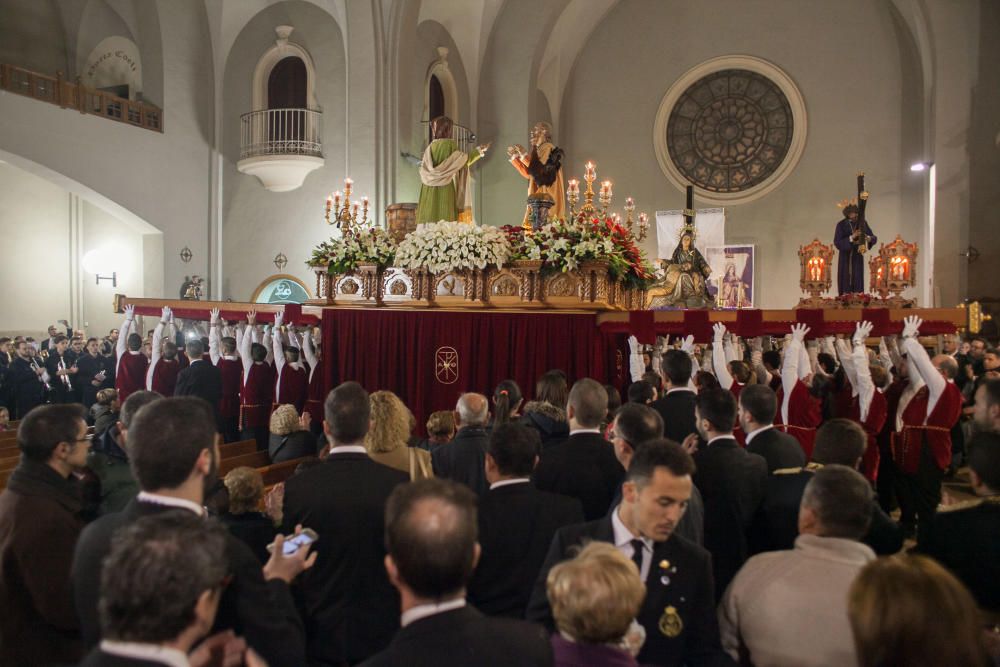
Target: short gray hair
(467,412)
(842,501)
(589,401)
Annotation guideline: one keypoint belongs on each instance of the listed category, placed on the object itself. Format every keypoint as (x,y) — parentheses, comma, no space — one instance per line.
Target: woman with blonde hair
(243,518)
(908,611)
(389,434)
(595,598)
(290,435)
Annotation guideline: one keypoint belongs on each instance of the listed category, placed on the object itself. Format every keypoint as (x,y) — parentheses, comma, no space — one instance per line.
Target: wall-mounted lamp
(921,166)
(99,262)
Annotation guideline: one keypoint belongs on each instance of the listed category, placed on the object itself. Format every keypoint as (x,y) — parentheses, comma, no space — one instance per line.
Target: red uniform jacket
(130,375)
(293,386)
(907,445)
(232,379)
(315,397)
(165,376)
(878,412)
(804,416)
(256,396)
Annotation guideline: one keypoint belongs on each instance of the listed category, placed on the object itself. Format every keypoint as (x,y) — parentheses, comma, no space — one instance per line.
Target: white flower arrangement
(441,247)
(362,246)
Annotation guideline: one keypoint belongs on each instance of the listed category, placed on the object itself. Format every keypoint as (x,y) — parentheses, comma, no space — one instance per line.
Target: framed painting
(731,284)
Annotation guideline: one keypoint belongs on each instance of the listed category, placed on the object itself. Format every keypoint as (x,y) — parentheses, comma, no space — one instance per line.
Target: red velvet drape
(405,351)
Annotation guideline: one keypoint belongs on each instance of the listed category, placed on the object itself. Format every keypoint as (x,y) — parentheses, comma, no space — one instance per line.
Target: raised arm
(790,366)
(732,347)
(214,337)
(122,343)
(635,366)
(278,354)
(807,359)
(719,362)
(247,341)
(921,361)
(844,353)
(757,361)
(156,351)
(307,349)
(863,385)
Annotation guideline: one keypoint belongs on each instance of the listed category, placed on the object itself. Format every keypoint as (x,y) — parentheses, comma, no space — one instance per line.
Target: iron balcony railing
(281,132)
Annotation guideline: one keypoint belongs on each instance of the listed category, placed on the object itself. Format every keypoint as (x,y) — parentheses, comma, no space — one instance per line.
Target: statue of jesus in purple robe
(852,238)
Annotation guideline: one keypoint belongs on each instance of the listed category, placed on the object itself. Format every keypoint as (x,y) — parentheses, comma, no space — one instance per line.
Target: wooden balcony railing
(70,95)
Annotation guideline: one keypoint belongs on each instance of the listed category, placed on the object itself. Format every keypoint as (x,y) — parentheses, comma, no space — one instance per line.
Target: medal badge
(671,624)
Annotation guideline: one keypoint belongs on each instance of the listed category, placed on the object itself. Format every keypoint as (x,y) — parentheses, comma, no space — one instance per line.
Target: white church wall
(843,58)
(259,224)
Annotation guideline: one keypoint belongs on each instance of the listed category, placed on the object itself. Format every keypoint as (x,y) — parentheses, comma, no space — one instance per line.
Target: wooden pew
(231,449)
(279,472)
(252,460)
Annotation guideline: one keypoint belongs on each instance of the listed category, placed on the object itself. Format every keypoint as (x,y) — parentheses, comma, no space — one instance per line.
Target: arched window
(435,102)
(287,84)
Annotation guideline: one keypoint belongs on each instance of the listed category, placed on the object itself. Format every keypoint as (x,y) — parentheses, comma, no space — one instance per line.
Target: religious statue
(732,290)
(853,238)
(444,175)
(684,283)
(543,169)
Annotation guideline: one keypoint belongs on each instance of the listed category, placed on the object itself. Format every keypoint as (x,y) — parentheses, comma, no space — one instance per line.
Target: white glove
(279,317)
(756,345)
(252,318)
(799,332)
(862,332)
(720,332)
(883,351)
(215,316)
(130,312)
(911,326)
(687,345)
(633,345)
(165,314)
(664,343)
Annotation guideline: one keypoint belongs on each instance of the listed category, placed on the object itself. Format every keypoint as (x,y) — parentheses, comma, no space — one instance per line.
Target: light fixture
(921,166)
(100,261)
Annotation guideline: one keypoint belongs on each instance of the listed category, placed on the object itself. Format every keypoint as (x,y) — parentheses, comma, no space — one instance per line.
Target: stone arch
(283,48)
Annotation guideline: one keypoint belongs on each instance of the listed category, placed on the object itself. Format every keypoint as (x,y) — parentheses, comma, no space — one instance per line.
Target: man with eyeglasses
(39,525)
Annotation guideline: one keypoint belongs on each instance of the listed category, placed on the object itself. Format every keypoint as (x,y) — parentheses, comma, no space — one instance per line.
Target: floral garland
(363,246)
(563,245)
(440,247)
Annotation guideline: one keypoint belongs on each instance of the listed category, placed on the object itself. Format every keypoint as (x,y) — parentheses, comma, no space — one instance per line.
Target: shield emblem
(446,365)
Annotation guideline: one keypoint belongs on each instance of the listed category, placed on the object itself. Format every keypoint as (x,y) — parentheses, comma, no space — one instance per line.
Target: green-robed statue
(444,175)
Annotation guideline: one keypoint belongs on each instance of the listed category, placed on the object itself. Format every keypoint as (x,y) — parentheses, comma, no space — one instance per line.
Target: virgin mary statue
(683,285)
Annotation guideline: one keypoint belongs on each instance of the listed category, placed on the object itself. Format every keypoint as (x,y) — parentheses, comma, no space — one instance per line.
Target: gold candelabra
(345,214)
(604,196)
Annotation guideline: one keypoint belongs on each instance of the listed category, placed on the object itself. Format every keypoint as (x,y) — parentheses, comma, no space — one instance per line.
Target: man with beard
(174,455)
(28,380)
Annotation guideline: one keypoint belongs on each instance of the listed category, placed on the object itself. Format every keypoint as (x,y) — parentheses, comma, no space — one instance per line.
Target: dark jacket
(684,586)
(548,420)
(464,459)
(466,638)
(583,467)
(577,654)
(779,450)
(104,418)
(98,658)
(777,522)
(39,527)
(295,445)
(261,611)
(254,529)
(202,379)
(677,410)
(732,483)
(27,389)
(516,525)
(352,611)
(965,538)
(110,466)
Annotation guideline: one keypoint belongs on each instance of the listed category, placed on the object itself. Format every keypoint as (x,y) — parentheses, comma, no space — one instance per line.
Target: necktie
(637,554)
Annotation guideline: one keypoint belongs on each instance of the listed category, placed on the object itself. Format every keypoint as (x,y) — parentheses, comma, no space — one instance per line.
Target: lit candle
(574,186)
(590,172)
(629,204)
(364,200)
(643,219)
(329,203)
(606,188)
(348,184)
(356,207)
(336,199)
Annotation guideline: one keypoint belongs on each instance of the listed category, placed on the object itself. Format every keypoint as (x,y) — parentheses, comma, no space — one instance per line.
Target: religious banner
(710,223)
(732,281)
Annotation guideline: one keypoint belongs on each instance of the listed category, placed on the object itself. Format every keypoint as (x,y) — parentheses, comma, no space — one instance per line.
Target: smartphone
(293,542)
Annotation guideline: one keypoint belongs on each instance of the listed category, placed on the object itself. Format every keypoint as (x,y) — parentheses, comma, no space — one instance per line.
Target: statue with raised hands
(542,166)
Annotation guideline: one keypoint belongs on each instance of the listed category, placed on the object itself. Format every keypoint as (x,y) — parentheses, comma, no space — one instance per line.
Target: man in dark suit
(27,378)
(516,523)
(676,407)
(201,378)
(430,533)
(758,404)
(62,372)
(678,613)
(838,441)
(164,573)
(584,466)
(53,331)
(463,459)
(634,425)
(731,482)
(351,609)
(173,452)
(965,537)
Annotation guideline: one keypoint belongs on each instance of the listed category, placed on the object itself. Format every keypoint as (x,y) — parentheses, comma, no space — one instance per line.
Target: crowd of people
(765,502)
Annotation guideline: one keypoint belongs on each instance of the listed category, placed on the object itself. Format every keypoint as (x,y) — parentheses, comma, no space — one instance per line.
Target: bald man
(464,458)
